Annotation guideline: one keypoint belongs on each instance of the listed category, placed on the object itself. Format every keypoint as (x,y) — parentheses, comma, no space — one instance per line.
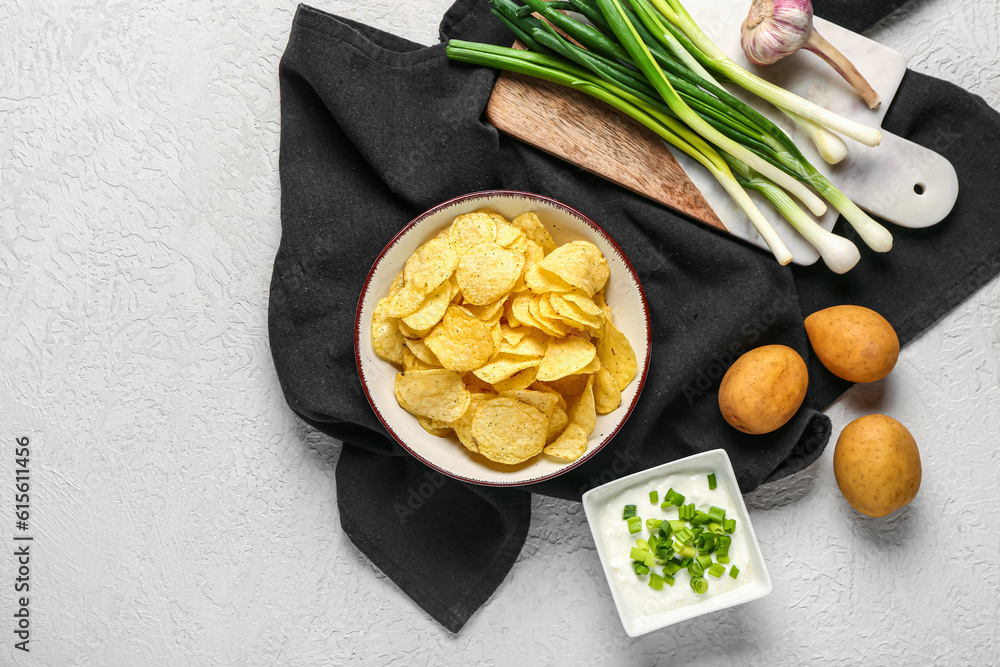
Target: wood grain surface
(595,137)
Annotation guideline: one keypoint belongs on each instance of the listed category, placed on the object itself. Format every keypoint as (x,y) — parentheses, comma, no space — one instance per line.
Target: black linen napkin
(376,129)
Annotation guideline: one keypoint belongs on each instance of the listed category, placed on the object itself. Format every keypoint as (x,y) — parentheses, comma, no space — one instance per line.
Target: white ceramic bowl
(623,293)
(640,608)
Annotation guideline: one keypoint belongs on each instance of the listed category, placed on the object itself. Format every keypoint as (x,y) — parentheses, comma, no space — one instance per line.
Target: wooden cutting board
(595,137)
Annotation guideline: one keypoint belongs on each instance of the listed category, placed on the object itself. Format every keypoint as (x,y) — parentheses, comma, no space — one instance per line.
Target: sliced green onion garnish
(638,554)
(677,524)
(729,525)
(734,572)
(669,581)
(649,560)
(642,544)
(634,524)
(699,585)
(716,528)
(653,524)
(640,568)
(684,535)
(716,570)
(722,559)
(699,519)
(654,496)
(705,561)
(711,481)
(629,512)
(717,514)
(672,567)
(655,582)
(695,569)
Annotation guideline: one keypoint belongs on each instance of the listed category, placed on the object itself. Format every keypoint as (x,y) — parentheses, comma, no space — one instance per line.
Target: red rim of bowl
(482,195)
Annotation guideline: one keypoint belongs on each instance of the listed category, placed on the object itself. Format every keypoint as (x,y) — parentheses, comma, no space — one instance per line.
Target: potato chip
(565,356)
(436,394)
(533,253)
(461,342)
(570,445)
(607,395)
(552,327)
(475,385)
(397,284)
(561,400)
(582,411)
(514,334)
(411,333)
(386,337)
(520,380)
(521,311)
(508,234)
(579,263)
(616,354)
(541,400)
(412,363)
(533,228)
(488,272)
(584,302)
(532,346)
(487,312)
(404,301)
(420,350)
(433,426)
(472,229)
(569,386)
(463,425)
(541,281)
(574,314)
(592,367)
(557,422)
(508,431)
(503,366)
(430,265)
(431,310)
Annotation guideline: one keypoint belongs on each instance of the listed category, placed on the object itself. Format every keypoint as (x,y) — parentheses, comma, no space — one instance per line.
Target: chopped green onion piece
(677,524)
(699,519)
(634,524)
(686,512)
(695,569)
(629,512)
(640,568)
(672,567)
(665,530)
(642,544)
(699,585)
(688,551)
(722,559)
(734,572)
(722,544)
(655,581)
(729,525)
(654,496)
(717,514)
(675,498)
(704,561)
(653,524)
(669,581)
(638,554)
(649,560)
(716,528)
(716,570)
(684,535)
(711,481)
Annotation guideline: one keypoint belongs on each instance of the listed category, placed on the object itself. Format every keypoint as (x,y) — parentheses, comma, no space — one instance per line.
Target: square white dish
(641,608)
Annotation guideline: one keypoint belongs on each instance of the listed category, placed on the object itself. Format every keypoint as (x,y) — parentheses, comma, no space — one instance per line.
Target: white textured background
(182,516)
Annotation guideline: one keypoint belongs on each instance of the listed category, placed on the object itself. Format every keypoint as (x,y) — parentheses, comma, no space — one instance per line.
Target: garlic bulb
(778,28)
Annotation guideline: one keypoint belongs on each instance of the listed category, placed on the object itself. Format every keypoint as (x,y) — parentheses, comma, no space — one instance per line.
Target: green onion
(716,514)
(669,581)
(629,512)
(699,585)
(687,512)
(684,535)
(677,524)
(699,519)
(653,524)
(729,525)
(716,528)
(672,567)
(634,524)
(716,570)
(649,560)
(675,498)
(711,481)
(638,554)
(654,496)
(734,572)
(704,561)
(655,581)
(642,544)
(695,569)
(640,568)
(721,559)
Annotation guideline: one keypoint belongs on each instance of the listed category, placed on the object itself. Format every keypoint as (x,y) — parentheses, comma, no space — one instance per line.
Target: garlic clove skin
(775,29)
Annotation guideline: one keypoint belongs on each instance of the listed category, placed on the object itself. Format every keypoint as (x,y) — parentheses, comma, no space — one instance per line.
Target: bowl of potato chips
(502,338)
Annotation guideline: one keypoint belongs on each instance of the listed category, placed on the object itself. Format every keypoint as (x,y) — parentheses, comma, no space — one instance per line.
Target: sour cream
(637,599)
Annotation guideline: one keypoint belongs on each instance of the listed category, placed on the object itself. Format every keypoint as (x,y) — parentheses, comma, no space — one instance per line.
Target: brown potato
(853,342)
(763,389)
(877,465)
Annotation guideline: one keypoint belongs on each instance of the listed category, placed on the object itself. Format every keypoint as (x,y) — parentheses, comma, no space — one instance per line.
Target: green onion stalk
(556,71)
(713,57)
